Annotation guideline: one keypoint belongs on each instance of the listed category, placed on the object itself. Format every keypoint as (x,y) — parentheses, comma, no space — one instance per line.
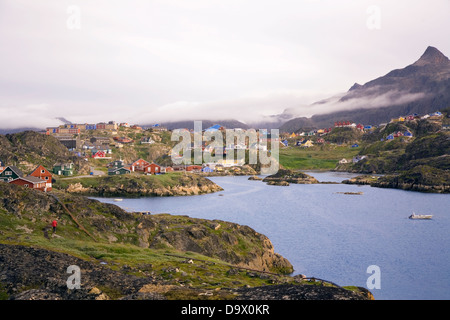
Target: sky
(155,61)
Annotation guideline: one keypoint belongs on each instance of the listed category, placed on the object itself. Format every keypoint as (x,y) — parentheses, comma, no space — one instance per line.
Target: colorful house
(2,166)
(308,144)
(65,169)
(116,164)
(207,169)
(390,137)
(116,171)
(194,168)
(10,173)
(43,174)
(139,165)
(30,182)
(100,154)
(152,168)
(407,134)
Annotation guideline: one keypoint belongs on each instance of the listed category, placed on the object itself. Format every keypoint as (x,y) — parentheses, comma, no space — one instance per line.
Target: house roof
(39,166)
(16,170)
(31,179)
(115,169)
(214,127)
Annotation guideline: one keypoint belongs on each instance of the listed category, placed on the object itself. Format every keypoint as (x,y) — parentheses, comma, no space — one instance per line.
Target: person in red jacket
(54,224)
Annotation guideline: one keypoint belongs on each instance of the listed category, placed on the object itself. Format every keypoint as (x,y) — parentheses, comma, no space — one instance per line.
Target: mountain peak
(355,86)
(432,56)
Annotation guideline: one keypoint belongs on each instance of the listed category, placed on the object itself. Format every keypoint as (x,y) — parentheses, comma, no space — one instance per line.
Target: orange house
(139,165)
(153,168)
(43,174)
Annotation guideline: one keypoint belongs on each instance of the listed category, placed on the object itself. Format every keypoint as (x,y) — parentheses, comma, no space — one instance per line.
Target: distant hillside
(28,149)
(422,87)
(230,124)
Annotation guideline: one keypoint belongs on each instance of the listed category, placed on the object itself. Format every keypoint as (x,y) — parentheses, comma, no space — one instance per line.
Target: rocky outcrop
(284,177)
(421,178)
(305,292)
(140,186)
(28,273)
(229,242)
(236,244)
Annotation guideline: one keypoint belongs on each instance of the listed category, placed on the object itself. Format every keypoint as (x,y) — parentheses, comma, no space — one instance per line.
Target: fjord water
(334,236)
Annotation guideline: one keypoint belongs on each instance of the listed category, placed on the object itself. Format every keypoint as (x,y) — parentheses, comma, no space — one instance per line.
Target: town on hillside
(113,148)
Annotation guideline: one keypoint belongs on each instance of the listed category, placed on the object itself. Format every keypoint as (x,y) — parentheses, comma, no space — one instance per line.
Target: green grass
(169,179)
(315,158)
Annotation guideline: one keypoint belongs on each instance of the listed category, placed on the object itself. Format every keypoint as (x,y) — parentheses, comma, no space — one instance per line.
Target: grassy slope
(25,227)
(324,157)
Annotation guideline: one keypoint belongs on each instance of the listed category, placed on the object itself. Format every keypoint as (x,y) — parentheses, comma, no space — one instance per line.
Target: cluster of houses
(119,167)
(39,179)
(398,134)
(73,128)
(431,116)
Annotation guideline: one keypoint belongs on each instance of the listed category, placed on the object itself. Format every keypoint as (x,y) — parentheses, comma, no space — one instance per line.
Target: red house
(152,168)
(43,174)
(194,168)
(99,154)
(30,182)
(139,165)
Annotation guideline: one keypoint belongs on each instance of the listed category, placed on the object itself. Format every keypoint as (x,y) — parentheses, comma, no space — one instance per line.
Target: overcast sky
(153,61)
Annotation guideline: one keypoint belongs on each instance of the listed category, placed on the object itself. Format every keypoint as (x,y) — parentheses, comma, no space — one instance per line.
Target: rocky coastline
(421,179)
(140,186)
(34,262)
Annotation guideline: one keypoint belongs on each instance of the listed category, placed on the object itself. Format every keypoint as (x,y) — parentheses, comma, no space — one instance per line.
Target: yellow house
(399,119)
(308,144)
(293,135)
(320,131)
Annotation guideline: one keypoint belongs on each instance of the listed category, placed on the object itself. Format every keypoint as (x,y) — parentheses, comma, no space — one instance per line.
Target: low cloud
(372,98)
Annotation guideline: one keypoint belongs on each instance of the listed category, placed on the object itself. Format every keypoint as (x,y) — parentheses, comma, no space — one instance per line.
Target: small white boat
(118,199)
(420,216)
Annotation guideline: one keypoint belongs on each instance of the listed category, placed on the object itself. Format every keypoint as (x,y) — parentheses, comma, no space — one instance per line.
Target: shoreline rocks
(284,177)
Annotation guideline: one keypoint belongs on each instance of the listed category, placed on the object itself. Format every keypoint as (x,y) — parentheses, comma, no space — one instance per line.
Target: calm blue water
(335,236)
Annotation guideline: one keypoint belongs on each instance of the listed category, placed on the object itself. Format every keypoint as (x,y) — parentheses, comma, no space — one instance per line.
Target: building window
(25,185)
(8,173)
(42,171)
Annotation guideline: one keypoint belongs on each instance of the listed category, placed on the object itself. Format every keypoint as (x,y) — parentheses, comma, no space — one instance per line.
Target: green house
(117,171)
(64,169)
(10,173)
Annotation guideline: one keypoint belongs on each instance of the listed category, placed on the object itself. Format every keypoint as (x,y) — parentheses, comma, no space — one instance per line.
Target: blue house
(207,169)
(407,134)
(214,128)
(390,137)
(285,143)
(91,127)
(355,146)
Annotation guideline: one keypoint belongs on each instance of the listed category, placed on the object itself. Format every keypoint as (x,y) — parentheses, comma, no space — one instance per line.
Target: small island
(284,177)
